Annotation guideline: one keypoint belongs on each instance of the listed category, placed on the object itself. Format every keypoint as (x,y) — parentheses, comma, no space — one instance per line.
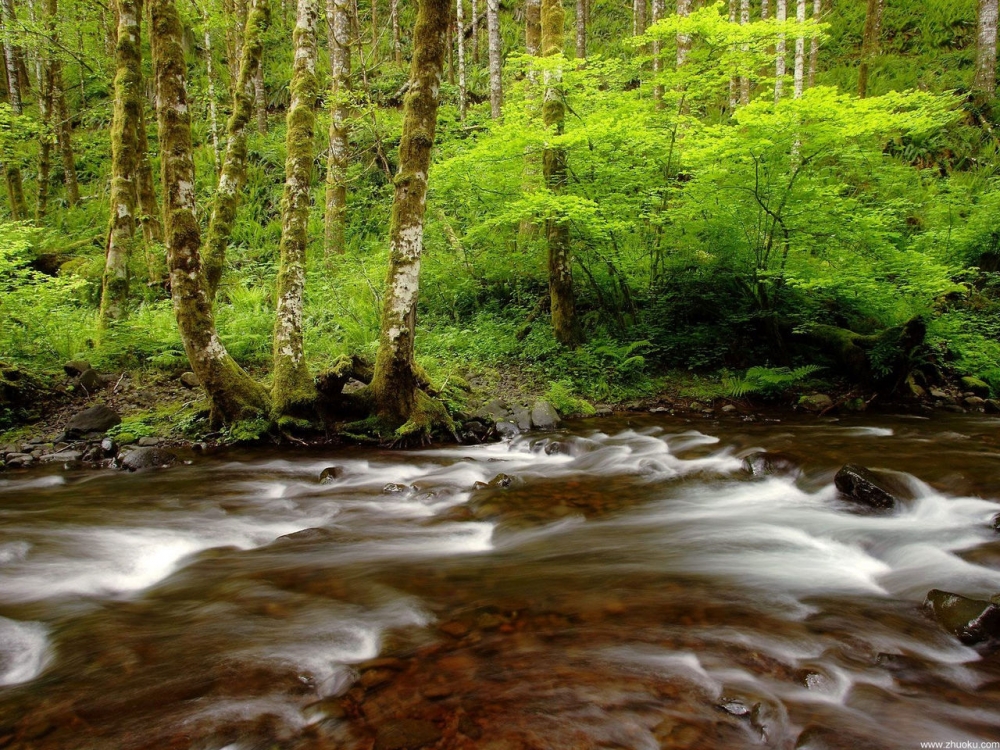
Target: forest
(357,214)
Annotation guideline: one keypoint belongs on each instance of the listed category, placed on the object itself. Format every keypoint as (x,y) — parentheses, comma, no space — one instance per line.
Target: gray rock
(494,410)
(307,536)
(974,402)
(148,442)
(992,406)
(660,410)
(695,406)
(392,488)
(972,620)
(544,415)
(98,418)
(190,380)
(867,487)
(499,482)
(76,367)
(109,447)
(19,460)
(816,402)
(766,463)
(137,459)
(507,429)
(604,411)
(521,416)
(939,394)
(728,409)
(66,456)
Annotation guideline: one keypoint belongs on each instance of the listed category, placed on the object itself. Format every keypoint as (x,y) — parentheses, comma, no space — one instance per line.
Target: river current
(631,587)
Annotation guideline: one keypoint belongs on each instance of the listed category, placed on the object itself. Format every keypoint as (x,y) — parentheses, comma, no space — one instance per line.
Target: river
(633,587)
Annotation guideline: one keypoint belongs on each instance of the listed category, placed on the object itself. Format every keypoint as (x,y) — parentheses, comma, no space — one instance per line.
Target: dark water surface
(634,588)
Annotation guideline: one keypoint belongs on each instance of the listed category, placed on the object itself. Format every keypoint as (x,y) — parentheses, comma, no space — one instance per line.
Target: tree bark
(745,80)
(475,30)
(638,17)
(800,50)
(124,145)
(293,386)
(233,394)
(15,187)
(496,62)
(734,83)
(213,112)
(657,49)
(395,382)
(149,216)
(580,23)
(339,24)
(46,107)
(234,166)
(870,43)
(781,14)
(683,40)
(397,46)
(985,81)
(462,94)
(814,45)
(64,136)
(533,27)
(563,301)
(260,98)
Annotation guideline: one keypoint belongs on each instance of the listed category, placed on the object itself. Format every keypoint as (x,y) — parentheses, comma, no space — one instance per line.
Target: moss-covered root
(428,415)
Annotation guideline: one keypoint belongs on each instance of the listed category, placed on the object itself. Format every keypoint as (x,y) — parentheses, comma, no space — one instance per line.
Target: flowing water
(632,588)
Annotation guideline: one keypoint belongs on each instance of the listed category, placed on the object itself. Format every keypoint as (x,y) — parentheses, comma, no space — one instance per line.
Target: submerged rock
(867,487)
(146,458)
(972,620)
(499,482)
(392,488)
(98,418)
(330,474)
(765,463)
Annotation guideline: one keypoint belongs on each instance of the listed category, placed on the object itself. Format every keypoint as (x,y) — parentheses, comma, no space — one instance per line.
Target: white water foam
(24,651)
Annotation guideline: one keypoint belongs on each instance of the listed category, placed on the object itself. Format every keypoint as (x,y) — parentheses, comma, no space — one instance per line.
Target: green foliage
(768,382)
(561,396)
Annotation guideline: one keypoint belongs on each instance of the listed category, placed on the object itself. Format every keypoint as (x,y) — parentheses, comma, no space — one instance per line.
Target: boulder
(521,416)
(190,380)
(330,474)
(64,456)
(544,415)
(977,386)
(98,418)
(939,394)
(974,402)
(148,442)
(507,429)
(728,409)
(992,406)
(494,410)
(91,380)
(405,734)
(307,536)
(76,367)
(766,463)
(816,402)
(499,482)
(867,487)
(109,447)
(138,459)
(971,620)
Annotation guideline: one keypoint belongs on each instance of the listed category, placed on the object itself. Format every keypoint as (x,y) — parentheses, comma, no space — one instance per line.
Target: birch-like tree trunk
(765,10)
(475,30)
(397,46)
(800,50)
(260,98)
(814,45)
(124,162)
(462,93)
(985,81)
(565,325)
(15,187)
(233,178)
(213,112)
(339,34)
(293,386)
(869,43)
(496,62)
(734,82)
(395,382)
(533,27)
(233,394)
(745,80)
(46,107)
(638,17)
(781,15)
(657,49)
(580,23)
(683,40)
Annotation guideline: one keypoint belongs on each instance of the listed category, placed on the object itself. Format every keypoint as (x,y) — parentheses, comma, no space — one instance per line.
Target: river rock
(66,456)
(189,380)
(76,367)
(98,418)
(307,536)
(521,416)
(19,460)
(867,487)
(974,402)
(977,386)
(499,482)
(972,620)
(816,402)
(494,410)
(544,415)
(992,406)
(766,463)
(148,442)
(728,409)
(405,734)
(392,488)
(330,474)
(146,458)
(507,429)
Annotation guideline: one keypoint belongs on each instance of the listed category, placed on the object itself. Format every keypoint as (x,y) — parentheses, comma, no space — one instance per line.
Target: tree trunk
(638,17)
(734,83)
(64,135)
(149,217)
(800,50)
(781,14)
(293,386)
(985,82)
(765,10)
(563,302)
(496,63)
(234,165)
(395,382)
(745,80)
(870,43)
(339,24)
(533,27)
(15,187)
(233,394)
(657,49)
(213,113)
(124,144)
(397,46)
(260,98)
(475,30)
(814,45)
(46,108)
(683,40)
(581,28)
(462,94)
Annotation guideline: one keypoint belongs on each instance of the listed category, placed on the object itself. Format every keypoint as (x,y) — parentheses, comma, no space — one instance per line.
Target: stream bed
(624,584)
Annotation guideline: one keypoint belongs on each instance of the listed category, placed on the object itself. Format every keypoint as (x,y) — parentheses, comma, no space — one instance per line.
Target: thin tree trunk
(260,98)
(533,27)
(462,94)
(293,386)
(765,10)
(475,31)
(563,302)
(213,113)
(375,30)
(870,43)
(395,382)
(533,46)
(814,45)
(338,22)
(149,217)
(779,52)
(234,166)
(496,63)
(745,80)
(800,50)
(451,52)
(124,144)
(734,82)
(15,187)
(683,40)
(46,107)
(638,17)
(985,82)
(658,9)
(397,46)
(233,394)
(581,28)
(64,136)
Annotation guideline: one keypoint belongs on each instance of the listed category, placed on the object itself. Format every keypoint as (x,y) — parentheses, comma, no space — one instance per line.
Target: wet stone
(405,734)
(393,489)
(148,442)
(146,458)
(330,474)
(544,415)
(866,487)
(971,620)
(98,418)
(766,463)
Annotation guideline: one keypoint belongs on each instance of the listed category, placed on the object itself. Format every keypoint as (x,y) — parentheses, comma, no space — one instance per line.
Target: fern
(766,381)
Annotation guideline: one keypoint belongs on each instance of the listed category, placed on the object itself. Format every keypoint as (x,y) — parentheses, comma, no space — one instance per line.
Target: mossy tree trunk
(233,393)
(64,134)
(213,112)
(234,165)
(46,140)
(395,382)
(339,36)
(124,162)
(870,43)
(260,98)
(397,46)
(985,81)
(293,386)
(15,185)
(563,301)
(657,50)
(149,208)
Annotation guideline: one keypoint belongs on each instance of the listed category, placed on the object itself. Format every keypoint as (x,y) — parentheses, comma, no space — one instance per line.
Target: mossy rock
(979,387)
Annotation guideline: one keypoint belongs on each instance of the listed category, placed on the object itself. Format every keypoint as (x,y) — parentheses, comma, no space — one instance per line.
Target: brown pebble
(454,628)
